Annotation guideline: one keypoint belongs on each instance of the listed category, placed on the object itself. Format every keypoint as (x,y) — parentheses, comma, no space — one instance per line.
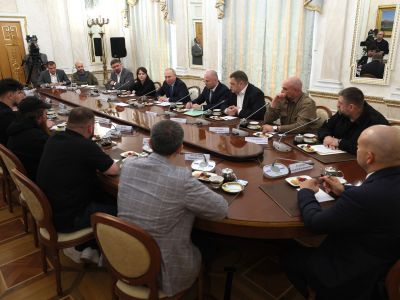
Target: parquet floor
(258,274)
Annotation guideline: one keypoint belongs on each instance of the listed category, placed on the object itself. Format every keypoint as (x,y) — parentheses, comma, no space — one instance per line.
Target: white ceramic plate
(306,148)
(198,165)
(262,135)
(203,176)
(129,154)
(294,181)
(232,187)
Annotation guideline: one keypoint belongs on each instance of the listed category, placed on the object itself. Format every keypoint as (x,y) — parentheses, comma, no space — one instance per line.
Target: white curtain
(269,40)
(150,39)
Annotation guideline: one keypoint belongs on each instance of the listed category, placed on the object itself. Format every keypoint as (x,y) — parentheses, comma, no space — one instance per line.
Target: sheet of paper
(163,103)
(256,140)
(194,113)
(124,128)
(322,150)
(101,120)
(219,129)
(196,156)
(178,120)
(123,104)
(227,118)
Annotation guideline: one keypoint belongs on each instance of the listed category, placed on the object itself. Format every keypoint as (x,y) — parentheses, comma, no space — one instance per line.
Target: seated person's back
(164,199)
(29,133)
(354,115)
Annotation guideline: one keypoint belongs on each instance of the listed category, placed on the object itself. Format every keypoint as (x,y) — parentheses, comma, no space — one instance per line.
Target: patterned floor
(257,272)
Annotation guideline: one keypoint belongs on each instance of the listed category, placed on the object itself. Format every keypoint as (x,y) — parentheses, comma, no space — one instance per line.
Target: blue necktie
(171,90)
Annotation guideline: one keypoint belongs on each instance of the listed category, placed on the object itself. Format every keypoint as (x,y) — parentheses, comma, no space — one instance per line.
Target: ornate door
(12,51)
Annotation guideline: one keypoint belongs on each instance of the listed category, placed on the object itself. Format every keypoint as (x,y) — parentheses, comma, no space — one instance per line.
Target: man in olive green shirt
(293,107)
(81,76)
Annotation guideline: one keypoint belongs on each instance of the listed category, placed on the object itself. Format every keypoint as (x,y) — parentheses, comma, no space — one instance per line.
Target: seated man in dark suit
(353,116)
(246,98)
(371,50)
(29,133)
(213,93)
(363,226)
(376,67)
(173,89)
(53,76)
(293,107)
(121,78)
(11,94)
(81,76)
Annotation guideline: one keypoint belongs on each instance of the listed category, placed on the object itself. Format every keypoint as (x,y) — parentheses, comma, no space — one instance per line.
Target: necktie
(211,94)
(171,90)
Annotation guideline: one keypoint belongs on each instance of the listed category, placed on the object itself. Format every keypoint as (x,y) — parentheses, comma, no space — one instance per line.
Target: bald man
(363,225)
(81,76)
(381,43)
(213,93)
(293,107)
(173,89)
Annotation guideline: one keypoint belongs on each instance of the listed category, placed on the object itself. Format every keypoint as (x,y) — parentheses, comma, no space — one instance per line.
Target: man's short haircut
(51,63)
(9,85)
(172,70)
(115,61)
(353,95)
(239,76)
(372,47)
(166,137)
(80,116)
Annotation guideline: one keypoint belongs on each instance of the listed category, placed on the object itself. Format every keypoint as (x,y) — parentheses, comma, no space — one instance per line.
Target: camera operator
(53,76)
(34,62)
(381,43)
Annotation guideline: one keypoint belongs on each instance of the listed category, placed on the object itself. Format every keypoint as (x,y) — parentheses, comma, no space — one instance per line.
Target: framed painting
(385,19)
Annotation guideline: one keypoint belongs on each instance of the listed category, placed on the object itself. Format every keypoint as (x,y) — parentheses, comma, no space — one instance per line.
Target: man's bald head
(292,88)
(381,143)
(210,79)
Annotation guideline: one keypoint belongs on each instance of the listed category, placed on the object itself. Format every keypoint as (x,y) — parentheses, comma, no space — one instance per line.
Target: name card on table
(196,156)
(298,167)
(124,128)
(256,140)
(102,120)
(151,113)
(179,120)
(122,104)
(219,129)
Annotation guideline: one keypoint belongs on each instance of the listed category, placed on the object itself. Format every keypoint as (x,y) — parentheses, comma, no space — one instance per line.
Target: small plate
(217,118)
(199,165)
(306,148)
(147,149)
(181,110)
(263,135)
(254,127)
(129,154)
(203,176)
(294,181)
(232,187)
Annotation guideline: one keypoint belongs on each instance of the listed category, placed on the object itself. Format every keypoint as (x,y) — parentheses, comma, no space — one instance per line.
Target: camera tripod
(33,61)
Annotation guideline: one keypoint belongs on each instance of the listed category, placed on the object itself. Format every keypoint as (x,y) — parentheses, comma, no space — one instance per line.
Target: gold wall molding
(190,77)
(17,17)
(327,95)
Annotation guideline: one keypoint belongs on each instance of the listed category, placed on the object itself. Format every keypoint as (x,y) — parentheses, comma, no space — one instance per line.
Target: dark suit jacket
(126,76)
(363,241)
(221,93)
(142,89)
(253,100)
(61,77)
(180,90)
(375,68)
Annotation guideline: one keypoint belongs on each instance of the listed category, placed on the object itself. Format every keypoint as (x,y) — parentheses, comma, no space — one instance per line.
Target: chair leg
(44,258)
(25,216)
(8,196)
(35,233)
(57,269)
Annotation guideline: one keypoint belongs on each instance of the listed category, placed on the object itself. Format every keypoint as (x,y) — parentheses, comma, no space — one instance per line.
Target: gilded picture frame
(385,19)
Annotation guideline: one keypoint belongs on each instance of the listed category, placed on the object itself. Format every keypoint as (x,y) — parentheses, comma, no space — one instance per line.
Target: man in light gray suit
(164,199)
(121,78)
(53,76)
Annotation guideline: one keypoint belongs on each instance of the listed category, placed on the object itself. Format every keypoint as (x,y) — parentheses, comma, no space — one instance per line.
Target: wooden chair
(392,282)
(268,99)
(10,161)
(324,113)
(194,92)
(395,123)
(136,273)
(3,180)
(157,85)
(50,241)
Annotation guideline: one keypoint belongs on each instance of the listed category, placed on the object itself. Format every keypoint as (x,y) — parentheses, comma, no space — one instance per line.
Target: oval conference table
(252,213)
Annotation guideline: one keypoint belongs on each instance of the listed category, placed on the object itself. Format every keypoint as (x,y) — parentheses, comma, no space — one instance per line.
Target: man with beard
(293,107)
(11,94)
(83,77)
(29,133)
(353,116)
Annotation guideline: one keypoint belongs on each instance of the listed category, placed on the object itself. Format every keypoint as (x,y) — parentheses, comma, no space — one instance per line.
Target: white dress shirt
(53,78)
(240,98)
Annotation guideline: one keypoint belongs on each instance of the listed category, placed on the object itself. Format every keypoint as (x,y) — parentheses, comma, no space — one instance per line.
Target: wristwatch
(275,128)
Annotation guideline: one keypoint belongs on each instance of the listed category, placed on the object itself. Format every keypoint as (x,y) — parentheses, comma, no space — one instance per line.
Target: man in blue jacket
(363,225)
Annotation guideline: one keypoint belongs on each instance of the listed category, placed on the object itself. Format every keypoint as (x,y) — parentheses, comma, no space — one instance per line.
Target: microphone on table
(280,146)
(119,89)
(149,93)
(173,104)
(244,122)
(208,112)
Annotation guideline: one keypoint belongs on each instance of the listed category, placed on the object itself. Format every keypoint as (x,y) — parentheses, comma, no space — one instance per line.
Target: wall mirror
(196,41)
(375,41)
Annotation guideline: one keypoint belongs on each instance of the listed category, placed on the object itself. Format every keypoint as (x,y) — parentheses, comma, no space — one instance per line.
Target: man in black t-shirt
(67,174)
(10,95)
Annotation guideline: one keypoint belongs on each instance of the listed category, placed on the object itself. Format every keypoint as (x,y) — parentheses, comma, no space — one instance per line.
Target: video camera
(33,46)
(370,38)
